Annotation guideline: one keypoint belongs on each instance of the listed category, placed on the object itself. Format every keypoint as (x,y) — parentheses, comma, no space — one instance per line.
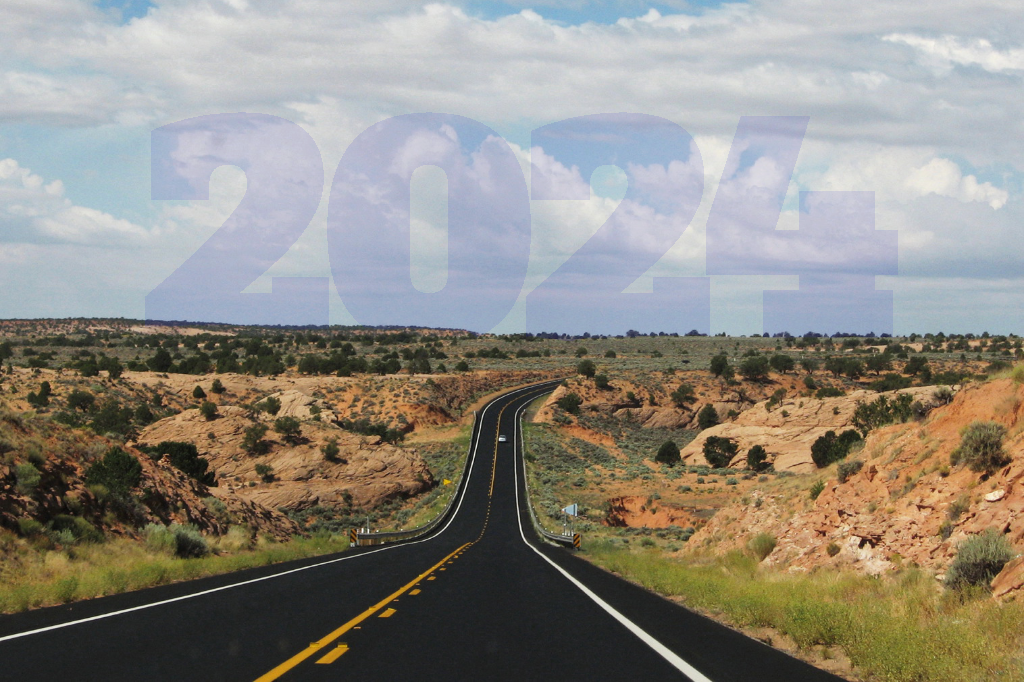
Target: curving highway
(482,598)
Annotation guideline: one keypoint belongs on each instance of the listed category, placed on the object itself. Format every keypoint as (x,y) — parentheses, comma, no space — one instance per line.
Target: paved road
(481,599)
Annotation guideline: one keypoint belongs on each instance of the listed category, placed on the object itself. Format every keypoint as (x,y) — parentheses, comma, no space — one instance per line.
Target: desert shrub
(252,440)
(882,411)
(331,451)
(368,428)
(683,395)
(946,529)
(587,368)
(270,405)
(957,507)
(832,549)
(570,402)
(707,417)
(756,458)
(809,382)
(27,477)
(755,368)
(182,541)
(829,392)
(848,469)
(118,472)
(943,395)
(199,393)
(890,382)
(185,458)
(777,397)
(76,528)
(668,453)
(979,558)
(981,447)
(830,448)
(289,428)
(601,382)
(462,366)
(217,387)
(29,527)
(207,409)
(265,471)
(782,363)
(719,451)
(761,545)
(816,489)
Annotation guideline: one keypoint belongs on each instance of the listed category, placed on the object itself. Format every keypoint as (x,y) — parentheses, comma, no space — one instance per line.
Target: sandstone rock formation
(906,506)
(367,472)
(788,430)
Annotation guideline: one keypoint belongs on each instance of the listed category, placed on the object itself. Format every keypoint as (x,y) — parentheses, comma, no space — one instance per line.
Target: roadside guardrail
(570,540)
(365,538)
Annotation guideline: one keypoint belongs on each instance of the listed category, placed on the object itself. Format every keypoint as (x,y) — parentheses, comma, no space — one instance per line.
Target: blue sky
(918,104)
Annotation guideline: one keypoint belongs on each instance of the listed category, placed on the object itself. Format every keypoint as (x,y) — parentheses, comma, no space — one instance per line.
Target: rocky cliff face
(164,495)
(906,505)
(366,473)
(787,430)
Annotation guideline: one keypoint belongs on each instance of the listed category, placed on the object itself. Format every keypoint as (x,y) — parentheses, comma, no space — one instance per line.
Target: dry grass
(30,579)
(899,629)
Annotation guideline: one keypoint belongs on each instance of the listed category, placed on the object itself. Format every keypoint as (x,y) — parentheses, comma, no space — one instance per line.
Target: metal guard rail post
(570,541)
(359,539)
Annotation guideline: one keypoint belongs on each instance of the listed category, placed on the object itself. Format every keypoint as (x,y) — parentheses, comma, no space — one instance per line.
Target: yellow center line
(324,641)
(494,464)
(354,623)
(387,614)
(333,655)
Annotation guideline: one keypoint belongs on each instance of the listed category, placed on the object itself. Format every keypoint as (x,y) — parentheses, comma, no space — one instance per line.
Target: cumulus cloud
(934,150)
(947,50)
(34,211)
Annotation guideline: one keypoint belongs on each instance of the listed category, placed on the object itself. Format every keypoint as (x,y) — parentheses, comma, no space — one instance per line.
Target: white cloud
(948,50)
(863,72)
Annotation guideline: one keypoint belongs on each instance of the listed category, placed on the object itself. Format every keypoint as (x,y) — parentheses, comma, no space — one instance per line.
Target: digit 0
(488,223)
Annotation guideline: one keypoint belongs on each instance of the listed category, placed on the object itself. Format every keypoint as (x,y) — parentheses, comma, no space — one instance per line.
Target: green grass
(899,629)
(30,579)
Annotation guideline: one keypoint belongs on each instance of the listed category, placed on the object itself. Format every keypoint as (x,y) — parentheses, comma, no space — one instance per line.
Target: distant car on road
(502,439)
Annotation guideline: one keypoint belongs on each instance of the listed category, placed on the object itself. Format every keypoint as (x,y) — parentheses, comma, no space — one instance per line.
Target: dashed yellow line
(334,655)
(318,645)
(494,464)
(340,650)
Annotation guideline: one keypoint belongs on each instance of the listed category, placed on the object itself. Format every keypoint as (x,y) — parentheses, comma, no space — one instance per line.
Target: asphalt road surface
(481,599)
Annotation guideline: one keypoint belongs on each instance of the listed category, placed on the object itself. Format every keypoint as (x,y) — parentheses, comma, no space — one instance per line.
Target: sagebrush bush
(761,545)
(847,469)
(979,558)
(182,541)
(188,543)
(981,447)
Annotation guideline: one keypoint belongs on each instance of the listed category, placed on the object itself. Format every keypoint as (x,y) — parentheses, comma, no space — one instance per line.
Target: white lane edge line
(674,659)
(140,607)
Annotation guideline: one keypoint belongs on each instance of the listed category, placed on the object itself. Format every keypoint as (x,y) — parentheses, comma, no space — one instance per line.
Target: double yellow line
(319,645)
